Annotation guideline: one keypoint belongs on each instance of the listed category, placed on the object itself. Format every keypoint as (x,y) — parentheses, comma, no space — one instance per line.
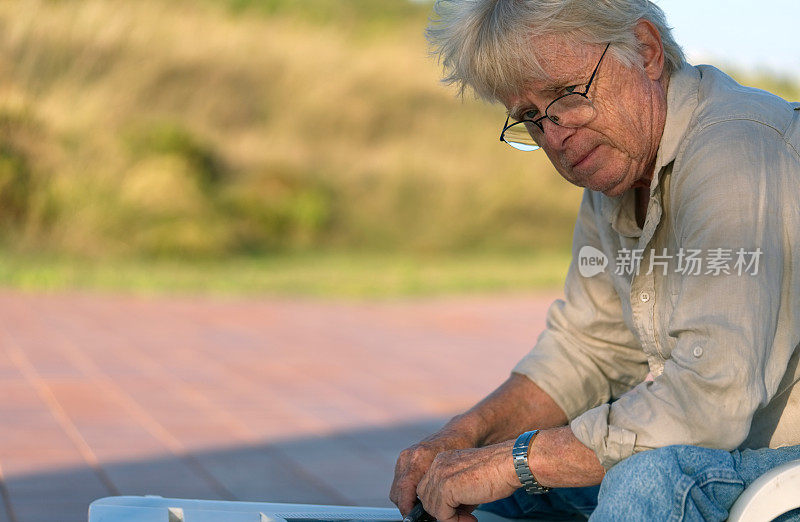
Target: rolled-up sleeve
(733,333)
(587,355)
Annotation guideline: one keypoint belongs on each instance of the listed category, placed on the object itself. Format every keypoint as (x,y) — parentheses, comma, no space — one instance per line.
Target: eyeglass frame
(538,121)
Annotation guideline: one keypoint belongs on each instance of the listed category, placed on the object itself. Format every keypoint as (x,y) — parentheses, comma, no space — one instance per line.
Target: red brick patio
(269,400)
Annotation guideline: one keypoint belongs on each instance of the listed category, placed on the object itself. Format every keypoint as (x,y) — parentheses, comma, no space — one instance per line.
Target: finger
(407,503)
(404,497)
(440,512)
(460,516)
(404,485)
(429,493)
(422,486)
(422,493)
(402,460)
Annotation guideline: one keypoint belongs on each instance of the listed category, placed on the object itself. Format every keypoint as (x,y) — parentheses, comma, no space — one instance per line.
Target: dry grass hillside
(185,128)
(212,128)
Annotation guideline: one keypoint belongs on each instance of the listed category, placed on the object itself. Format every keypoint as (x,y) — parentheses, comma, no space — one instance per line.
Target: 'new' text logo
(591,261)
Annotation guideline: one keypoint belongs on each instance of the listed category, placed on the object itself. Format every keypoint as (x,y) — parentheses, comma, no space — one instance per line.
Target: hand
(412,464)
(459,480)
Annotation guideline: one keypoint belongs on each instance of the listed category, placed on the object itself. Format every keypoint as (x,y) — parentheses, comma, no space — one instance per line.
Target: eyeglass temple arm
(591,79)
(505,126)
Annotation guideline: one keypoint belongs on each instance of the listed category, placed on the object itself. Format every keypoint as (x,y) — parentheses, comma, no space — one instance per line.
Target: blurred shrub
(24,176)
(15,181)
(278,208)
(175,140)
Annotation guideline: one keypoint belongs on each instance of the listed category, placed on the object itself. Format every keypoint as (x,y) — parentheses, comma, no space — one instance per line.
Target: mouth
(583,160)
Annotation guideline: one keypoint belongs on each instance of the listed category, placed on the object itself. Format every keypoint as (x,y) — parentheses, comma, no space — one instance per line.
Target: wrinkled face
(617,149)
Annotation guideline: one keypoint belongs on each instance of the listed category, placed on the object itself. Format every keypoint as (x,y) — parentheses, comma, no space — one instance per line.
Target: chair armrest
(770,495)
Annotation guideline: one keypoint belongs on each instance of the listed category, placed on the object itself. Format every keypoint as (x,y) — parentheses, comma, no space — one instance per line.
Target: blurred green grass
(261,135)
(315,274)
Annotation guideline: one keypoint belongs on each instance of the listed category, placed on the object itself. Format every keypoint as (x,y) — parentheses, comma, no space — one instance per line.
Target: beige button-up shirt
(705,297)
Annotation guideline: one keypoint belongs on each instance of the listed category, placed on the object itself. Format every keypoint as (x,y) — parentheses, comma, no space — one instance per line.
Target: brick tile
(271,400)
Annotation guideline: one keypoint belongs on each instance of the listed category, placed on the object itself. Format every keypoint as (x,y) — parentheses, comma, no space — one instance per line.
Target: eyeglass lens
(571,111)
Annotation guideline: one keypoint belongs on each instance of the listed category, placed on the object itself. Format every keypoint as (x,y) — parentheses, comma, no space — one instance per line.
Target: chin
(606,172)
(600,181)
(613,192)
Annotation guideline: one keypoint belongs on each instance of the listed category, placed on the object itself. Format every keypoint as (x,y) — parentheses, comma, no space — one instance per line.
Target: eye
(530,114)
(571,89)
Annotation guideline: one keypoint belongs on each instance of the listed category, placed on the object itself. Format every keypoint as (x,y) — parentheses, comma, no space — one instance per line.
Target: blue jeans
(676,483)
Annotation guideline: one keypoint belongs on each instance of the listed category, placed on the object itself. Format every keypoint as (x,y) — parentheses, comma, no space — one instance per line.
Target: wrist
(504,466)
(511,471)
(520,458)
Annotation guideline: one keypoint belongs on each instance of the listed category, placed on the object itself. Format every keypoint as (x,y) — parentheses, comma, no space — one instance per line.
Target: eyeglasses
(572,110)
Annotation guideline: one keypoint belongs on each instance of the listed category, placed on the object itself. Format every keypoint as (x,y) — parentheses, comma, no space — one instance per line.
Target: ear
(651,48)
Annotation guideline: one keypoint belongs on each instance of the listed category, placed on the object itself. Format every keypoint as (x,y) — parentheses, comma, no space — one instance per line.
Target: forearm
(518,405)
(558,459)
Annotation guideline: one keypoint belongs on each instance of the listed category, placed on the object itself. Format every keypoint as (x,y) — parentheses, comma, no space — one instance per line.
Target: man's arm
(586,357)
(516,406)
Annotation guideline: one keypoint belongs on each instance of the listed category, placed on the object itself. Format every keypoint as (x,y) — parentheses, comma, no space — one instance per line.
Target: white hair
(486,44)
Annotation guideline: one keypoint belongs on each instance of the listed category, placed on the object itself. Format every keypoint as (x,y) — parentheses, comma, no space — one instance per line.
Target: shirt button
(698,351)
(644,296)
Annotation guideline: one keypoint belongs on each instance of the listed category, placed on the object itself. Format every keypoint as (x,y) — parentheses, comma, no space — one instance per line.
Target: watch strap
(519,453)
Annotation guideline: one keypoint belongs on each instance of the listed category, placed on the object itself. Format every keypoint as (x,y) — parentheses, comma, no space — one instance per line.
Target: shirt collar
(682,92)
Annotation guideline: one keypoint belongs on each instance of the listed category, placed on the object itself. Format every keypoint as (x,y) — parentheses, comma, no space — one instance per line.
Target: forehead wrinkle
(562,61)
(563,77)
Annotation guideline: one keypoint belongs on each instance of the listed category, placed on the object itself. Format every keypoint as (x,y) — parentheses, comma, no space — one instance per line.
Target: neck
(660,121)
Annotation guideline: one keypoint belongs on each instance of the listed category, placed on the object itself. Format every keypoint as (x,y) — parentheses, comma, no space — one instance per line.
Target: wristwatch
(520,455)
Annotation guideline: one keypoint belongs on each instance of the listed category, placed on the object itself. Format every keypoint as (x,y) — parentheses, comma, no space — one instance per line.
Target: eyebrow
(554,85)
(513,111)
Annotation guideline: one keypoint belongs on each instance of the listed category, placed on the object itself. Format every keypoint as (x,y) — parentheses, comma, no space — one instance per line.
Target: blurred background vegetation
(293,146)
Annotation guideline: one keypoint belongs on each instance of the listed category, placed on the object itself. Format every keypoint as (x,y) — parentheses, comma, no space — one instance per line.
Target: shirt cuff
(610,443)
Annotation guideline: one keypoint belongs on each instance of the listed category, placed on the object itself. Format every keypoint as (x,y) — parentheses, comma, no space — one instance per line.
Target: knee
(639,487)
(647,475)
(643,473)
(674,479)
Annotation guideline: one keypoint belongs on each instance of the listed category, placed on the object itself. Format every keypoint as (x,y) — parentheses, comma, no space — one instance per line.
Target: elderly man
(670,368)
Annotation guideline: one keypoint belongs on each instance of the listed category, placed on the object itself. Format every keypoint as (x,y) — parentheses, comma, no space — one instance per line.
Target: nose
(555,136)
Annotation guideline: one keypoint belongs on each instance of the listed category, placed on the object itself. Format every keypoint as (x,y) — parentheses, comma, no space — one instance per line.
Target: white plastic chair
(770,496)
(158,509)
